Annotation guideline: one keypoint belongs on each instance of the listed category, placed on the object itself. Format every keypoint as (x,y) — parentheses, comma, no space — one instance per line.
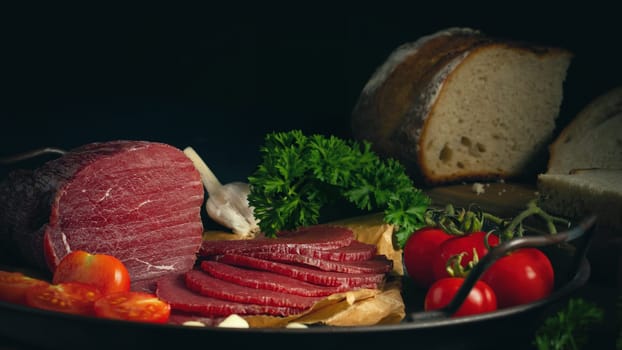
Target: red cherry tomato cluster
(523,276)
(85,284)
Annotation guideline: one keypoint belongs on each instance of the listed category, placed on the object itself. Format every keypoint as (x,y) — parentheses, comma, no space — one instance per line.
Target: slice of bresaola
(172,289)
(355,251)
(316,237)
(377,264)
(136,200)
(306,274)
(205,284)
(259,279)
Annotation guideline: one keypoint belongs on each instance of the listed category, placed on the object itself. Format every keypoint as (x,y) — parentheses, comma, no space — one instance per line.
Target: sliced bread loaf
(585,167)
(575,195)
(459,105)
(593,139)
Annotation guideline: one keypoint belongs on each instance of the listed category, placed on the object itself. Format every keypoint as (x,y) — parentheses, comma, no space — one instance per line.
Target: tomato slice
(133,306)
(71,297)
(13,286)
(104,271)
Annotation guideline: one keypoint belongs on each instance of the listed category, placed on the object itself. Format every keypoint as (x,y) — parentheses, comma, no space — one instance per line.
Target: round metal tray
(508,328)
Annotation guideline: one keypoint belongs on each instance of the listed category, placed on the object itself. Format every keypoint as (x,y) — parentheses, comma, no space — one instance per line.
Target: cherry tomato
(71,297)
(103,271)
(461,245)
(523,276)
(13,286)
(133,306)
(481,298)
(419,250)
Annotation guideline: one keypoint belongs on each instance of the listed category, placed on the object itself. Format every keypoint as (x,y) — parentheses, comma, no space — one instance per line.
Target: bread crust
(392,111)
(397,89)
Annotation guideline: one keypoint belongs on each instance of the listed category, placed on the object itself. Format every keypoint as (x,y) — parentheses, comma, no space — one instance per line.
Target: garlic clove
(229,207)
(234,321)
(226,204)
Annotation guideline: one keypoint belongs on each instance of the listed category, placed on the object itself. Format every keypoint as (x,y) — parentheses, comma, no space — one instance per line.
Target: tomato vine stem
(463,221)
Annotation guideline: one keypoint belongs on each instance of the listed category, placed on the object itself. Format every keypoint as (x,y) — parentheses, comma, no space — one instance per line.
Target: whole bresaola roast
(139,201)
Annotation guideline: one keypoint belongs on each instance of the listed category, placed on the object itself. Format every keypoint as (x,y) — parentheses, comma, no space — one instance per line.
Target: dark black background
(218,77)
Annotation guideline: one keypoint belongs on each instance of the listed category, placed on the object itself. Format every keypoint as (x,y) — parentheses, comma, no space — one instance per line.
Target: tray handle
(16,158)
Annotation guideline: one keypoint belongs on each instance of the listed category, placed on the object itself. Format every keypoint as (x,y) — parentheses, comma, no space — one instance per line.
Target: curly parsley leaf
(567,329)
(407,217)
(300,174)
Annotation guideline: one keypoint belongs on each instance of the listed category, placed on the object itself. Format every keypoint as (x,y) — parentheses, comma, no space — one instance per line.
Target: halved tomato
(13,286)
(133,306)
(104,271)
(71,297)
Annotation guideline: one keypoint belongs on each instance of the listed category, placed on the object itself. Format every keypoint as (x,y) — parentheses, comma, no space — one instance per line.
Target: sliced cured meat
(172,289)
(355,251)
(267,280)
(315,237)
(311,275)
(378,264)
(204,284)
(139,201)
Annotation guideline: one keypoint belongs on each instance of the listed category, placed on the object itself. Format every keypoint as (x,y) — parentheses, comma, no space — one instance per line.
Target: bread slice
(584,192)
(459,105)
(593,139)
(584,173)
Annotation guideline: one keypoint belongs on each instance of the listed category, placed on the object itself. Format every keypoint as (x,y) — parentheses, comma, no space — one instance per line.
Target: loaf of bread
(584,192)
(593,139)
(459,105)
(584,173)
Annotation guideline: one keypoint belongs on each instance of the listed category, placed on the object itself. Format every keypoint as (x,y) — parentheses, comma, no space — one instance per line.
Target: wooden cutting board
(502,199)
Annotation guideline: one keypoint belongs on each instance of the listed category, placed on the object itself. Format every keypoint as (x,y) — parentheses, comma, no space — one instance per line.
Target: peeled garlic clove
(296,325)
(226,204)
(229,207)
(234,321)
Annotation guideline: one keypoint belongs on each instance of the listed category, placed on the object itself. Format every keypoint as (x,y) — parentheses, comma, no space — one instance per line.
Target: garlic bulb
(226,204)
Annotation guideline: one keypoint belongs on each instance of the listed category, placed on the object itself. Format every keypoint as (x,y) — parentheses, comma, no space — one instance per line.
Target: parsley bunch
(568,328)
(300,174)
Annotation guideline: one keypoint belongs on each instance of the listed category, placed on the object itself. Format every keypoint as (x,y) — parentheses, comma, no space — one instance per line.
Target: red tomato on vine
(419,253)
(521,277)
(467,246)
(481,298)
